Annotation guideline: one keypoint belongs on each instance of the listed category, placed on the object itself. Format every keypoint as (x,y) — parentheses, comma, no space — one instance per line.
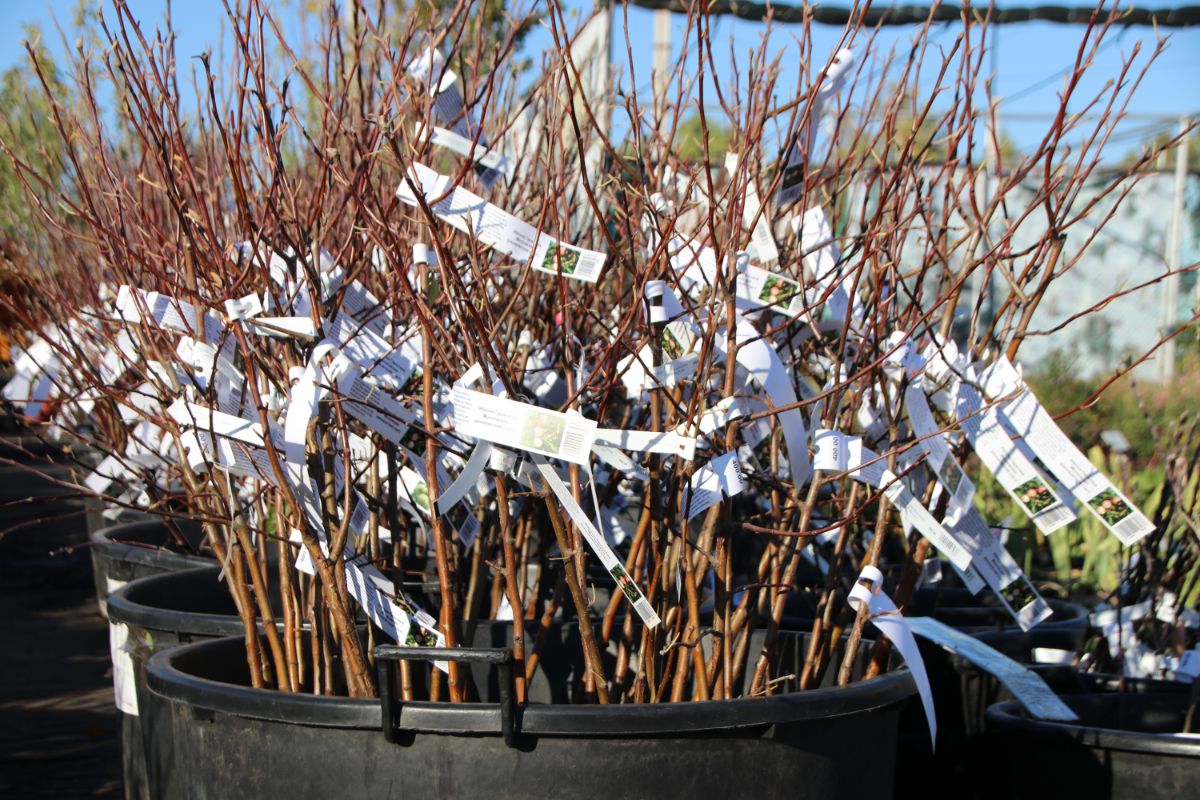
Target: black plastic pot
(159,612)
(231,741)
(962,693)
(128,551)
(1124,746)
(982,614)
(101,515)
(155,613)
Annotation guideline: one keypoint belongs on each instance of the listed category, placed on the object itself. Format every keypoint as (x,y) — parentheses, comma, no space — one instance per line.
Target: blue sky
(1029,64)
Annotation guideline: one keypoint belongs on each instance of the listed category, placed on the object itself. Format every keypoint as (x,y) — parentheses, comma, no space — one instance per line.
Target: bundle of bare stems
(278,292)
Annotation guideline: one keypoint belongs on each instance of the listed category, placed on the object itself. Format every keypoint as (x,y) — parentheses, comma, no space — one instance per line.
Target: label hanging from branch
(374,592)
(989,559)
(762,364)
(1029,419)
(523,426)
(759,288)
(598,544)
(496,228)
(138,305)
(868,593)
(442,83)
(800,151)
(393,365)
(1026,686)
(720,477)
(838,453)
(820,254)
(489,164)
(756,218)
(664,442)
(992,443)
(638,375)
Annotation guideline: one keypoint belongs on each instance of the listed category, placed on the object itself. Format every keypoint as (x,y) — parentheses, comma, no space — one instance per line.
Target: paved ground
(58,726)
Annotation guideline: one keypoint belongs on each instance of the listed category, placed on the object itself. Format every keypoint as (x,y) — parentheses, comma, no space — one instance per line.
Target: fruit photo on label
(1110,506)
(1034,494)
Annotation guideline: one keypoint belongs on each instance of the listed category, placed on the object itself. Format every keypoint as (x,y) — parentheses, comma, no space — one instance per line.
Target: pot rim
(130,612)
(1009,718)
(119,542)
(166,679)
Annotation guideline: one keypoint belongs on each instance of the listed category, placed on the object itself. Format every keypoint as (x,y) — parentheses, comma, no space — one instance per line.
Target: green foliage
(1058,384)
(689,138)
(27,133)
(1084,556)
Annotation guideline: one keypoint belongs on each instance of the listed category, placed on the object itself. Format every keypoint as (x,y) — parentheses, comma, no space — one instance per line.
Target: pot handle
(388,655)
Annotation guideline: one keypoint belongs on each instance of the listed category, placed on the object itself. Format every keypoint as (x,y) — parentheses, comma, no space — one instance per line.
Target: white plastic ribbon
(837,452)
(868,593)
(496,228)
(597,543)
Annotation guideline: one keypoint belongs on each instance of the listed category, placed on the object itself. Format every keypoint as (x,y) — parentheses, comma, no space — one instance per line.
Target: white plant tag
(638,375)
(791,185)
(1030,420)
(489,164)
(996,449)
(868,593)
(762,363)
(760,288)
(494,227)
(138,305)
(523,426)
(664,442)
(720,477)
(124,674)
(1188,668)
(430,68)
(392,365)
(761,239)
(598,544)
(1026,686)
(837,452)
(104,474)
(824,262)
(989,560)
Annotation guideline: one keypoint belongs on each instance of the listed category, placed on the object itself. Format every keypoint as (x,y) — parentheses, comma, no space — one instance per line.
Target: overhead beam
(1183,17)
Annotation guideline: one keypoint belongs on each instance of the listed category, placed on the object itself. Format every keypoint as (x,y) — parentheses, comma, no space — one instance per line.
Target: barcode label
(575,444)
(552,256)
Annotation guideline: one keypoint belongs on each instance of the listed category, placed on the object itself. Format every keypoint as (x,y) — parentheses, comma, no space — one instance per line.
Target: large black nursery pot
(131,550)
(983,615)
(154,613)
(1124,746)
(101,515)
(227,740)
(962,691)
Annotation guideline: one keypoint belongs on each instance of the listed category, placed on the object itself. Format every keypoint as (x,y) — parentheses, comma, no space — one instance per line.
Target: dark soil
(59,734)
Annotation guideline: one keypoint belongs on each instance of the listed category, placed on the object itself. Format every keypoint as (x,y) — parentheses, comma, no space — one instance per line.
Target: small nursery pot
(128,551)
(1125,745)
(231,741)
